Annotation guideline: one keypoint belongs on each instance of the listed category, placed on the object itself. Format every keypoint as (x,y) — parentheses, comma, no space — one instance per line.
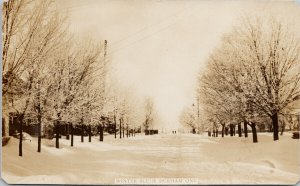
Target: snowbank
(228,160)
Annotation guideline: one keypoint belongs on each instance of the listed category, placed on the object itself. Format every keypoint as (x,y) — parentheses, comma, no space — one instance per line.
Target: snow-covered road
(210,160)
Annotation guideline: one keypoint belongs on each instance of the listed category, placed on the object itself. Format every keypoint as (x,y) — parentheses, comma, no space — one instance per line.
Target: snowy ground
(210,160)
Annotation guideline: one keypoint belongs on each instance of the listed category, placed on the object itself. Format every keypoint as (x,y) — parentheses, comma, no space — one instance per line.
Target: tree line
(251,79)
(55,79)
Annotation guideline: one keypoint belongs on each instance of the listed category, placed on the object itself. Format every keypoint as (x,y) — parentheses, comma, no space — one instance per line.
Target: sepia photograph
(150,92)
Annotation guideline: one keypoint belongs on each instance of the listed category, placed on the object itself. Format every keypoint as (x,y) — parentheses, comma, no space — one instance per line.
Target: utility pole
(198,108)
(115,120)
(103,89)
(104,67)
(198,114)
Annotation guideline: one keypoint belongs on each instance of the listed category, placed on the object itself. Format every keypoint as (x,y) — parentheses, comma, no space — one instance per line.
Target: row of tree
(214,124)
(46,72)
(252,78)
(52,79)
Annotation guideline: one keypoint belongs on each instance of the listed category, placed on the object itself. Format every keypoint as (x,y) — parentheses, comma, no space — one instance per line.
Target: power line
(162,22)
(146,36)
(149,26)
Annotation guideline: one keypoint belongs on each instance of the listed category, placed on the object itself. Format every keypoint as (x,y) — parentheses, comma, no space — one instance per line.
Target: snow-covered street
(210,160)
(146,91)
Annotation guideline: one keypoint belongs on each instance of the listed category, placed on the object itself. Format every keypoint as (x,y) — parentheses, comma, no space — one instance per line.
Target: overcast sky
(158,47)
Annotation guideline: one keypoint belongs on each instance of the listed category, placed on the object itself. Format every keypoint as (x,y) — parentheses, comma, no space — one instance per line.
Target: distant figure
(175,131)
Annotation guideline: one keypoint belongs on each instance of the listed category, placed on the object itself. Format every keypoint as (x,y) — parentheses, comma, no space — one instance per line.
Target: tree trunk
(101,133)
(254,133)
(123,131)
(120,129)
(223,129)
(72,135)
(82,133)
(282,128)
(134,132)
(21,136)
(90,133)
(208,133)
(240,130)
(246,129)
(127,132)
(194,131)
(67,131)
(226,131)
(217,132)
(271,128)
(115,126)
(99,128)
(39,131)
(275,126)
(57,134)
(231,129)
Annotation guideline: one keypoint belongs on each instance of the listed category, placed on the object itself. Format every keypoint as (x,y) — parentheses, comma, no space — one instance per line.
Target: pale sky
(157,47)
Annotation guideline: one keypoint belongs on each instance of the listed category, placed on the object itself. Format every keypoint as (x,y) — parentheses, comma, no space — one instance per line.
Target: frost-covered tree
(31,33)
(188,118)
(113,104)
(48,77)
(132,113)
(149,113)
(255,72)
(268,51)
(73,69)
(124,107)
